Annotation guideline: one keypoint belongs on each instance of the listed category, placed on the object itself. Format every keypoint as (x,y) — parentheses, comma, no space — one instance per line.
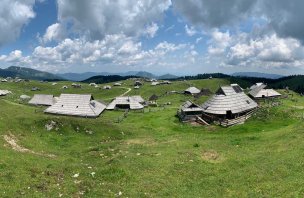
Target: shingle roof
(258,91)
(76,105)
(41,99)
(189,106)
(257,85)
(264,93)
(227,99)
(132,101)
(192,90)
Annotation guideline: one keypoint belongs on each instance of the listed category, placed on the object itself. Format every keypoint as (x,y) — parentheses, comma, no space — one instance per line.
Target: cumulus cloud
(267,50)
(14,14)
(96,18)
(245,49)
(114,50)
(219,42)
(16,58)
(55,32)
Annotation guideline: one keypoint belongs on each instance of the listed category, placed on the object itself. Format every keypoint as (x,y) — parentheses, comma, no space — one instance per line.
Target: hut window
(248,101)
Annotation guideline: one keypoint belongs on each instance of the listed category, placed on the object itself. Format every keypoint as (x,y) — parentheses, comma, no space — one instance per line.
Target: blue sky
(160,36)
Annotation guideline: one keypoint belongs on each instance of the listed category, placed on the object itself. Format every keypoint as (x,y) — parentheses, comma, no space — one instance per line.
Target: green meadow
(150,153)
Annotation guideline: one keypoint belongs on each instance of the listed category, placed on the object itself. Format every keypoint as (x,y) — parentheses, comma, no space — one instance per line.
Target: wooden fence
(238,120)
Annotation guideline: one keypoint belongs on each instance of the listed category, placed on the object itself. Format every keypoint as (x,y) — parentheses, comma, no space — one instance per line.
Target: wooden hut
(189,112)
(154,97)
(107,87)
(229,106)
(138,83)
(42,99)
(258,91)
(82,105)
(74,85)
(127,102)
(192,91)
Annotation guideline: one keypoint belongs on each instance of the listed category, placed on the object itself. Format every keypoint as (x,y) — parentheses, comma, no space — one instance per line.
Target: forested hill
(294,82)
(107,79)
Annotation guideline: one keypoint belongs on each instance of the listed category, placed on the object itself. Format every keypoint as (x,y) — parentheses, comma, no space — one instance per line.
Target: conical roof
(227,99)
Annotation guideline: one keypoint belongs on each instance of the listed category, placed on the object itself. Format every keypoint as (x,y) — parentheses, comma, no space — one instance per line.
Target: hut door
(229,115)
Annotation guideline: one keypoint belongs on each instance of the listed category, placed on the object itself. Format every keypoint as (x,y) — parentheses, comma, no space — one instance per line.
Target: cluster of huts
(165,82)
(230,105)
(16,79)
(84,105)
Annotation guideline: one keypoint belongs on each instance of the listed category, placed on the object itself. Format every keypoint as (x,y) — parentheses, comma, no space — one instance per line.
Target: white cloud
(267,50)
(55,32)
(14,14)
(151,30)
(15,58)
(168,47)
(190,31)
(259,51)
(219,42)
(114,51)
(129,48)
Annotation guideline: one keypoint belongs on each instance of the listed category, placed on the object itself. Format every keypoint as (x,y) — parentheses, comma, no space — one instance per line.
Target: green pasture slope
(149,154)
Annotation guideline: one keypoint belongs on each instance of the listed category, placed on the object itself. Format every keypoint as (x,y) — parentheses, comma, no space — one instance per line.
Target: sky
(158,36)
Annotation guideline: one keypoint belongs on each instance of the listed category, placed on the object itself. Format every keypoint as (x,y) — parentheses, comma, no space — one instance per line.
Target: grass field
(149,154)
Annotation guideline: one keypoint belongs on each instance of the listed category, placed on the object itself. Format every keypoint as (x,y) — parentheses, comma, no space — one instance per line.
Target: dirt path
(129,89)
(12,141)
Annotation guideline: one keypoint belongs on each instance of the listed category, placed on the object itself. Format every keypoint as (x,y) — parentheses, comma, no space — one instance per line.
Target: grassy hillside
(148,154)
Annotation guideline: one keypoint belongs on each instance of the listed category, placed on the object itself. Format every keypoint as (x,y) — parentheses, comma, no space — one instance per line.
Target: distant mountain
(145,74)
(167,77)
(87,75)
(27,73)
(257,75)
